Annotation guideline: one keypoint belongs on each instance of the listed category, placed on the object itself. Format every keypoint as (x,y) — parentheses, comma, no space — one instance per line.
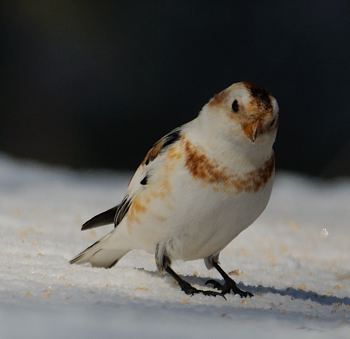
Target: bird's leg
(229,285)
(163,263)
(188,288)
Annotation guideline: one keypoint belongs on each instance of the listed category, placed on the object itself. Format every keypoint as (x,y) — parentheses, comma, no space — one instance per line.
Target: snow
(295,258)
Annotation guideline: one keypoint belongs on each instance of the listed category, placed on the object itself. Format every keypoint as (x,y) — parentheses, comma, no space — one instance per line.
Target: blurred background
(92,84)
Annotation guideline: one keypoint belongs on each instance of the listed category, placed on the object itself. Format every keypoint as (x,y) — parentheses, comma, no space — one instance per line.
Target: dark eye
(272,122)
(235,106)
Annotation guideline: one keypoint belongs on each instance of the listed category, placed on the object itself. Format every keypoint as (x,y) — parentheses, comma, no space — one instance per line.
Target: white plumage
(198,187)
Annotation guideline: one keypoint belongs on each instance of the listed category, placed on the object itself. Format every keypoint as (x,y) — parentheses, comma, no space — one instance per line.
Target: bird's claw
(190,290)
(228,287)
(214,284)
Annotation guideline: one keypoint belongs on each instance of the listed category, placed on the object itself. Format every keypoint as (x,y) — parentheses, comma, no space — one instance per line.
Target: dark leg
(188,288)
(229,285)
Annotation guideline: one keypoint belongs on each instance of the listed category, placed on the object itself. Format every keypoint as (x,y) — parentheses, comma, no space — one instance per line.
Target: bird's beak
(255,131)
(252,130)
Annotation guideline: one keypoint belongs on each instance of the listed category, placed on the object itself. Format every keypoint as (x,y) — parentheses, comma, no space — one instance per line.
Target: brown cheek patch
(207,170)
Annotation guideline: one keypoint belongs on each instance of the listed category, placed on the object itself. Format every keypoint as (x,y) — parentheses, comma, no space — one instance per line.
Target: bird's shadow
(258,290)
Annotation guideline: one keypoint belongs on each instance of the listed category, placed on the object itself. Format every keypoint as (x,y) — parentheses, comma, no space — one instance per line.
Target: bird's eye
(272,122)
(235,106)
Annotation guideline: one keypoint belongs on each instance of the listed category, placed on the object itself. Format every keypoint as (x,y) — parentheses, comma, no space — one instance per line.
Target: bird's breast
(207,170)
(196,205)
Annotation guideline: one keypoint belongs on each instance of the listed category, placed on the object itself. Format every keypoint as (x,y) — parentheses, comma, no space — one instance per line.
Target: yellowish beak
(252,130)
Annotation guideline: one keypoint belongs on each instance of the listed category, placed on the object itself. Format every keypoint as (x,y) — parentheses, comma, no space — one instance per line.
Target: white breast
(206,219)
(194,218)
(216,218)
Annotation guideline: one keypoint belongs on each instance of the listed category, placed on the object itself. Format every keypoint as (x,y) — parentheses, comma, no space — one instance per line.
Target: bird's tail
(103,253)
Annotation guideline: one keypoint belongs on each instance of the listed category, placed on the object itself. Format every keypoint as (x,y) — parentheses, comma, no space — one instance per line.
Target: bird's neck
(227,152)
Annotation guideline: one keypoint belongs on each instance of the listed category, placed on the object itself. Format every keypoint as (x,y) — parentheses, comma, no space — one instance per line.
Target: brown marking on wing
(160,189)
(153,152)
(162,144)
(137,207)
(205,169)
(163,187)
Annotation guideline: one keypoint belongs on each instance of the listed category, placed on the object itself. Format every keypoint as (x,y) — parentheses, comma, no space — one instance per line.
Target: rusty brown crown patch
(205,169)
(260,95)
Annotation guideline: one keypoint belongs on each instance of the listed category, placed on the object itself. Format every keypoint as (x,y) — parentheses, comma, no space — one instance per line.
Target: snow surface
(295,259)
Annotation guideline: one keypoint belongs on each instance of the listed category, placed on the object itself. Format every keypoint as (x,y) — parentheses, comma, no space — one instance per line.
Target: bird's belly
(197,220)
(222,219)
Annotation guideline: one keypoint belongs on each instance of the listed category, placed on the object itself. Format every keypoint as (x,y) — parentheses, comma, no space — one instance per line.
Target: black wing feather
(116,214)
(113,215)
(104,218)
(122,210)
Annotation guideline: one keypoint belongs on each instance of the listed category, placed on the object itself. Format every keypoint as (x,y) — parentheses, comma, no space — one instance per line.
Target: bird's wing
(137,183)
(113,215)
(104,218)
(148,166)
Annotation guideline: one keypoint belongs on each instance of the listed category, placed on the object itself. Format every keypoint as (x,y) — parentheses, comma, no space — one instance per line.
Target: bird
(197,189)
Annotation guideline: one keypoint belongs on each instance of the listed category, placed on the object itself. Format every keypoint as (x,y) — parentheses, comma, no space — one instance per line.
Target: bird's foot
(228,287)
(190,290)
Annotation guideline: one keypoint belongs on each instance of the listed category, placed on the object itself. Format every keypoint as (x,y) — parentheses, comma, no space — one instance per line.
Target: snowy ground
(295,259)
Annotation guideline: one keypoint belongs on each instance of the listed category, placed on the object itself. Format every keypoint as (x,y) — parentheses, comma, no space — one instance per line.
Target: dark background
(95,83)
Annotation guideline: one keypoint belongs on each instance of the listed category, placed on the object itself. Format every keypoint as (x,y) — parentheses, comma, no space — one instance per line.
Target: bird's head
(244,111)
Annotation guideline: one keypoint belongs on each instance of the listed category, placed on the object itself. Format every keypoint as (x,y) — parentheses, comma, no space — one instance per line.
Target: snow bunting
(197,188)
